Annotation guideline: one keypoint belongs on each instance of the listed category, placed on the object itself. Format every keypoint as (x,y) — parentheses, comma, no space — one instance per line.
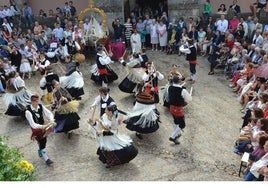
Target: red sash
(103,71)
(177,111)
(37,134)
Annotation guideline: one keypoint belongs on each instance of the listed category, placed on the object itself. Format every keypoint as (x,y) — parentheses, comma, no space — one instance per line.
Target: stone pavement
(205,153)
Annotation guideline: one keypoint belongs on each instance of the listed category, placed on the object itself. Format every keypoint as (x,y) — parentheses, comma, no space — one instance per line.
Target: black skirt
(117,157)
(132,125)
(127,85)
(66,122)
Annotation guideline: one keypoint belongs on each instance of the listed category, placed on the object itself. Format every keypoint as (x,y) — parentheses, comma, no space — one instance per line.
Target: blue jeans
(250,177)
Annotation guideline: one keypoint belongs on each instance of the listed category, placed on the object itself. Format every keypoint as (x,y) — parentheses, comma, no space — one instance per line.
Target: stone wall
(183,8)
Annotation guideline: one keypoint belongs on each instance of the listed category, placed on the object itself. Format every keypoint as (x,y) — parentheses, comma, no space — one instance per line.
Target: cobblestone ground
(205,153)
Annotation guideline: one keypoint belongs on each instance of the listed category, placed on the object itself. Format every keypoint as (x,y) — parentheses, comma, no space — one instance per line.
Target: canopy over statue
(98,30)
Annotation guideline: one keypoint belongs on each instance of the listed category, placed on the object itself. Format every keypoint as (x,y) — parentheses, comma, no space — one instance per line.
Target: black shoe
(49,162)
(139,136)
(174,140)
(177,137)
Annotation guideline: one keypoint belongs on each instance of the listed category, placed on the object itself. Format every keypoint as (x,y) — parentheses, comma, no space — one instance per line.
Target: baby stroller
(51,55)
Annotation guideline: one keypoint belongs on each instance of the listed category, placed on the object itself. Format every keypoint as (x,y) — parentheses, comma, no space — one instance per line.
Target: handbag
(176,111)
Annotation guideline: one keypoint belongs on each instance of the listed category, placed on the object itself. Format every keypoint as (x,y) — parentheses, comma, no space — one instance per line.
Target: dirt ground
(206,153)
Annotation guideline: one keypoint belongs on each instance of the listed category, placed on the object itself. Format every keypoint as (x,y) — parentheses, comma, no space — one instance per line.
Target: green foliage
(12,165)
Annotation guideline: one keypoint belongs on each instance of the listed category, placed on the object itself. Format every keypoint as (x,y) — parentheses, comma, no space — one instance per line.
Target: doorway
(142,7)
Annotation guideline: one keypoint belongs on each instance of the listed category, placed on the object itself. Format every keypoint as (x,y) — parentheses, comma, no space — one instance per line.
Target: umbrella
(262,71)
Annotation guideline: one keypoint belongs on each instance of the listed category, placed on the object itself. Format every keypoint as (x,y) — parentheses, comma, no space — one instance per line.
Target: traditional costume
(144,117)
(73,80)
(102,60)
(134,76)
(17,96)
(35,117)
(113,148)
(46,85)
(66,115)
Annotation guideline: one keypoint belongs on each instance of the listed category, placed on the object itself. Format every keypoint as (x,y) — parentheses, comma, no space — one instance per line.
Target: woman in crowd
(113,148)
(66,110)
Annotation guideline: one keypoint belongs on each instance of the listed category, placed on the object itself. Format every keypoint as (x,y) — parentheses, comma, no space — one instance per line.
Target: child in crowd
(25,67)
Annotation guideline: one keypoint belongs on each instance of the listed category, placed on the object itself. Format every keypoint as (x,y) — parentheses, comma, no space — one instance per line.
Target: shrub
(12,165)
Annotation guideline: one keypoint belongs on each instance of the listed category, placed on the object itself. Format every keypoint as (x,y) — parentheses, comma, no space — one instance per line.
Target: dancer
(46,85)
(17,96)
(113,148)
(173,72)
(103,60)
(178,98)
(144,117)
(191,53)
(151,78)
(66,110)
(103,99)
(40,129)
(73,80)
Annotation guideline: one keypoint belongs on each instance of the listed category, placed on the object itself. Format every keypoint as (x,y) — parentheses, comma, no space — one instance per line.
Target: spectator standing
(207,10)
(73,9)
(27,15)
(119,30)
(128,31)
(140,26)
(135,41)
(154,35)
(147,22)
(162,33)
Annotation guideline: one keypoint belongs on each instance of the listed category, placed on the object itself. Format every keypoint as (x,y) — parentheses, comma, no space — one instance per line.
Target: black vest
(99,65)
(49,79)
(175,97)
(153,79)
(108,102)
(192,55)
(37,119)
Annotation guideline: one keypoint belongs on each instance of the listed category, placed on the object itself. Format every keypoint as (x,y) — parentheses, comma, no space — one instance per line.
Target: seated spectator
(239,33)
(257,6)
(254,173)
(233,24)
(222,9)
(61,52)
(209,37)
(172,41)
(42,13)
(234,9)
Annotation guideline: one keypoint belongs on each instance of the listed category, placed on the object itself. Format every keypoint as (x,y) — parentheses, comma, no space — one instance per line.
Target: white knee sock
(176,131)
(44,154)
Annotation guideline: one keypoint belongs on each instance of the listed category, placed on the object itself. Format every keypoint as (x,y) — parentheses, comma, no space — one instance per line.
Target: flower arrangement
(12,165)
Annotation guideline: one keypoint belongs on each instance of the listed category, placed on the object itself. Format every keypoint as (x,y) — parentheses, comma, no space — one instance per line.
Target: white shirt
(222,25)
(46,113)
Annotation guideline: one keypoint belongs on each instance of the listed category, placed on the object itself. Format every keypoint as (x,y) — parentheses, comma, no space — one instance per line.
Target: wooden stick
(191,91)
